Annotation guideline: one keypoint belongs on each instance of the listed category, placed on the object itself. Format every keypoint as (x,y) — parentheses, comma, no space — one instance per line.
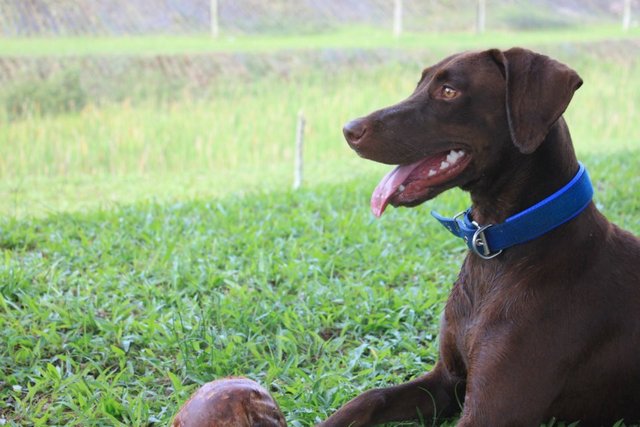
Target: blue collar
(488,241)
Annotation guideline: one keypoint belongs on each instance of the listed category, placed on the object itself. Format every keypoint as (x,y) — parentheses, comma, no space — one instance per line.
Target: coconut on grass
(230,402)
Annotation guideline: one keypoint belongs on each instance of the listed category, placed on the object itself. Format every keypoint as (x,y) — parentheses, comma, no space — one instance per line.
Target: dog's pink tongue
(388,186)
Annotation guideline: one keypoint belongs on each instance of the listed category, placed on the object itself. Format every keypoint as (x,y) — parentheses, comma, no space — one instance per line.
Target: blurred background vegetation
(112,102)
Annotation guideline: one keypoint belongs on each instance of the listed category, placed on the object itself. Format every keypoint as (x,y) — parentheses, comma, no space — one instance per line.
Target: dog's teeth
(444,165)
(432,172)
(454,156)
(401,188)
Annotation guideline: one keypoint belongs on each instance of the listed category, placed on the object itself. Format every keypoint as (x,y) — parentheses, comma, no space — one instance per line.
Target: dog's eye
(448,92)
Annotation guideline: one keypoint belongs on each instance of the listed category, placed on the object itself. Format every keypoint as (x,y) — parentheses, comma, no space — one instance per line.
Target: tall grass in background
(240,136)
(241,125)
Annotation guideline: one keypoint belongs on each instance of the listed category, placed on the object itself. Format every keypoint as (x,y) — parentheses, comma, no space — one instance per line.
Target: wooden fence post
(215,24)
(299,158)
(397,18)
(481,16)
(626,15)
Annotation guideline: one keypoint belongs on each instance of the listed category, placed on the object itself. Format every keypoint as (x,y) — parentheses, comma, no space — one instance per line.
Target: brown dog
(549,328)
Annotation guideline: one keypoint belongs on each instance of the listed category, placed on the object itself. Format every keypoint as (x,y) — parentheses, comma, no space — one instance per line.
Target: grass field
(146,248)
(113,317)
(343,38)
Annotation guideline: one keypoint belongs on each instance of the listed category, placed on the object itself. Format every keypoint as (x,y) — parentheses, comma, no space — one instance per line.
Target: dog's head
(468,113)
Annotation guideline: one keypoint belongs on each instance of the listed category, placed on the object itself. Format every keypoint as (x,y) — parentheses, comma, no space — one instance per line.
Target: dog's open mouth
(412,184)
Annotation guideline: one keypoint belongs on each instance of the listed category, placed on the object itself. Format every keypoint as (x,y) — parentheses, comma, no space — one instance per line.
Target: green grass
(351,37)
(113,317)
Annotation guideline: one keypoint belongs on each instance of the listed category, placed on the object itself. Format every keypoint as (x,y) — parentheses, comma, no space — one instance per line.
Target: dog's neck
(533,177)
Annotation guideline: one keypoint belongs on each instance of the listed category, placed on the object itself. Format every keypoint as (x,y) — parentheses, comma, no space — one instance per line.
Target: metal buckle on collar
(479,243)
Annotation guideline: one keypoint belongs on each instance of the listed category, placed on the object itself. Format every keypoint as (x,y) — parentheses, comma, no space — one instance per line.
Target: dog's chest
(480,302)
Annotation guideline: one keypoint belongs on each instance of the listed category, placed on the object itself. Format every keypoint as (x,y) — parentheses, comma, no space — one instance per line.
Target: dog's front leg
(430,396)
(511,390)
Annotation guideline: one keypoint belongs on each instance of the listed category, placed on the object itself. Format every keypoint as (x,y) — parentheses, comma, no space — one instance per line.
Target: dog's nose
(354,131)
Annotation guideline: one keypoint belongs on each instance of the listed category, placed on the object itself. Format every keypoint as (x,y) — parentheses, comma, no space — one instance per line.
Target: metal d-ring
(458,215)
(457,224)
(479,240)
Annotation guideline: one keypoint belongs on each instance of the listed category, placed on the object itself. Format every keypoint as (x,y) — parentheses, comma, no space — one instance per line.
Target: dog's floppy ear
(539,89)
